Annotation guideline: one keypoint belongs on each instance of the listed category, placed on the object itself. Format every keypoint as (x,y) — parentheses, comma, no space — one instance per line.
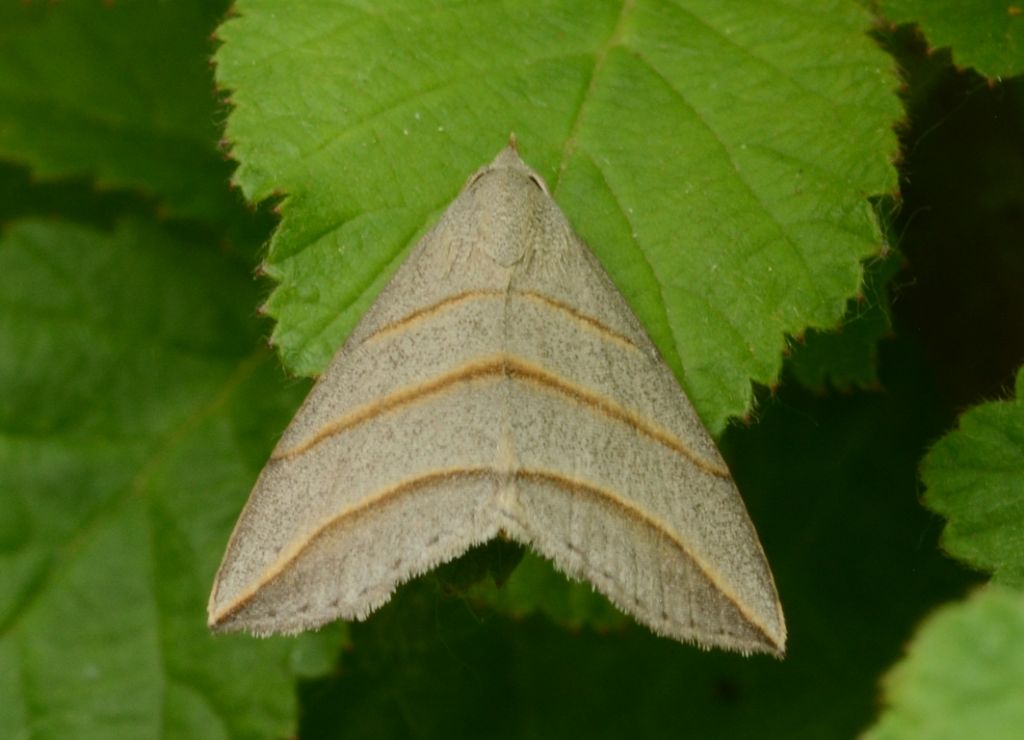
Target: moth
(500,384)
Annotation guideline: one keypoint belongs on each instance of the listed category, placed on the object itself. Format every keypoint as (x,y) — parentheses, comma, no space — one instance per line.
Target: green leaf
(118,91)
(515,581)
(987,35)
(22,196)
(535,587)
(134,417)
(963,674)
(716,156)
(975,478)
(847,357)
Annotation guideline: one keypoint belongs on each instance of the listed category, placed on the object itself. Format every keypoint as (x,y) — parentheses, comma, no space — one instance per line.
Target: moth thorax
(507,227)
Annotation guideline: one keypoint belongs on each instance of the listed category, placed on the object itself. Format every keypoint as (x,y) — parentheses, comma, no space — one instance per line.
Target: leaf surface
(716,157)
(847,356)
(986,35)
(535,587)
(118,91)
(962,674)
(975,478)
(134,417)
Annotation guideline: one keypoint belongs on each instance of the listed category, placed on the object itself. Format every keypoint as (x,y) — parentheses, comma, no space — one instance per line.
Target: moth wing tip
(777,639)
(774,648)
(221,618)
(214,621)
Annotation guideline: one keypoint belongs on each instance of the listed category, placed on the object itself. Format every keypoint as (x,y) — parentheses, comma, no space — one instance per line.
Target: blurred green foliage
(138,403)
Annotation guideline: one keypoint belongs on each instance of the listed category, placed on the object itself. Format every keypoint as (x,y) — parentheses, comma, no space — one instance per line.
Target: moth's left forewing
(385,470)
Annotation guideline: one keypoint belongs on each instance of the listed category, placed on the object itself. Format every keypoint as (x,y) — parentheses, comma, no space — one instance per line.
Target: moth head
(509,167)
(507,209)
